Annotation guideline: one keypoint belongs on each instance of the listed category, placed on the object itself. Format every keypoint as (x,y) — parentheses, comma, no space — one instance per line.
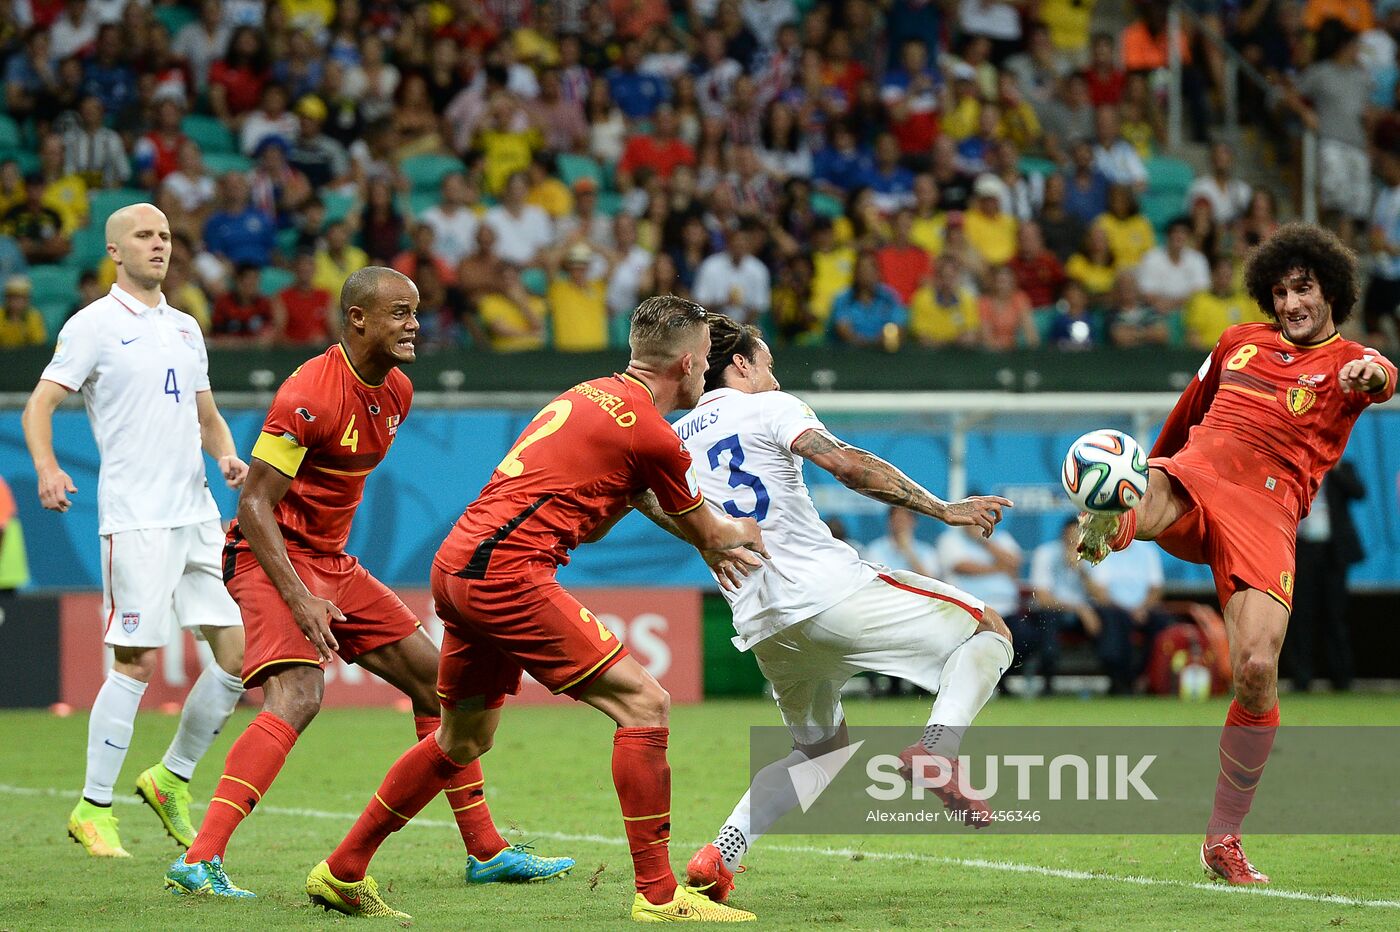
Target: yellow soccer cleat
(95,828)
(689,905)
(169,796)
(360,898)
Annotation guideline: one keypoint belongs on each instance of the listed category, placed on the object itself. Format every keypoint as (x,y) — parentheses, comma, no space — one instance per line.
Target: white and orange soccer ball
(1105,472)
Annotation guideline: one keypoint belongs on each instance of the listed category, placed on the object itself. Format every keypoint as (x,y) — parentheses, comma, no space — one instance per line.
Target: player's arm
(1372,374)
(37,421)
(1191,407)
(729,566)
(864,472)
(217,440)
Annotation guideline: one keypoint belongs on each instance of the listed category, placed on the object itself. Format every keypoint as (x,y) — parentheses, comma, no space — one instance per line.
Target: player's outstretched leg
(166,786)
(1101,534)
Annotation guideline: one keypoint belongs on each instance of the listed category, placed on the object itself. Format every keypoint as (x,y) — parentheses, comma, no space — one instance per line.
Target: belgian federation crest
(1285,579)
(131,621)
(1300,400)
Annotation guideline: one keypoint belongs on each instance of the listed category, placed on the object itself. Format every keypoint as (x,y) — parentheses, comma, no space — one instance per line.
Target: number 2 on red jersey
(557,412)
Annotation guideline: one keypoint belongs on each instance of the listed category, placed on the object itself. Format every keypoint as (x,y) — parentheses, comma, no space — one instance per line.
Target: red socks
(1245,742)
(1127,530)
(467,797)
(416,777)
(252,764)
(643,781)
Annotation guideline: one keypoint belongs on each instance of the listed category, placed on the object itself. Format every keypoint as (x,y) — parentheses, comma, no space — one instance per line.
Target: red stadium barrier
(661,627)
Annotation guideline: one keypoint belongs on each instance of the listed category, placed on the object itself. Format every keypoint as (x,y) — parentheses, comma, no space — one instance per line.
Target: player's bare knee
(994,623)
(139,663)
(649,706)
(1255,675)
(465,744)
(226,644)
(294,695)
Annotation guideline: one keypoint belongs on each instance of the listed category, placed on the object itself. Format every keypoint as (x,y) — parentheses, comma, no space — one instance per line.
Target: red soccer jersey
(577,463)
(1269,411)
(327,429)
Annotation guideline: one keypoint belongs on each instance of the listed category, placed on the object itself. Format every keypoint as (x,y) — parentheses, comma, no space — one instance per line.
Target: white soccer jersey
(742,447)
(139,369)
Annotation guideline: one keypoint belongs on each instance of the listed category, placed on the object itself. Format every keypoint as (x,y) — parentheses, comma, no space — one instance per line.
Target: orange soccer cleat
(1223,858)
(707,874)
(919,761)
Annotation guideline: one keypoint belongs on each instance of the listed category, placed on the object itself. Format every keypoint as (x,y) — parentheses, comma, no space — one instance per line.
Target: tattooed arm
(864,472)
(730,566)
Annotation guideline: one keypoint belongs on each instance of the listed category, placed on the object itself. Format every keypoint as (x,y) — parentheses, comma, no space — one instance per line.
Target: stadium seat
(211,134)
(9,134)
(427,171)
(1159,207)
(827,206)
(272,280)
(1033,165)
(55,290)
(106,201)
(338,205)
(220,163)
(610,203)
(535,281)
(287,240)
(174,18)
(572,167)
(1168,174)
(420,201)
(89,246)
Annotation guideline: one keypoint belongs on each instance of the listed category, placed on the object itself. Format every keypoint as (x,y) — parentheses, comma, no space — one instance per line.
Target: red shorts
(374,615)
(1246,536)
(493,629)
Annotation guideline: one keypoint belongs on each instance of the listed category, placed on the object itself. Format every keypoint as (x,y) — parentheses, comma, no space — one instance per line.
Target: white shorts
(158,580)
(1344,178)
(899,624)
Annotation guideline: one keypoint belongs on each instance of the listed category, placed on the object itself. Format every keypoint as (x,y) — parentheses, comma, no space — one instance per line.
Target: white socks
(210,702)
(969,678)
(109,734)
(771,795)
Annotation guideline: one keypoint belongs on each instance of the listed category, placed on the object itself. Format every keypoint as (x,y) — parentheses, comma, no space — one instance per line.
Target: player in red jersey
(303,598)
(1236,467)
(579,463)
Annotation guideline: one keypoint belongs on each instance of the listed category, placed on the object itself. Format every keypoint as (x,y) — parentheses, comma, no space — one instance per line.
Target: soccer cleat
(360,898)
(689,905)
(95,828)
(517,865)
(917,761)
(169,796)
(203,878)
(1223,859)
(1101,534)
(708,874)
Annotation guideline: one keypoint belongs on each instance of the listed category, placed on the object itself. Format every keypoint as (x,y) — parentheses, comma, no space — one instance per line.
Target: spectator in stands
(1039,69)
(607,126)
(1086,188)
(522,230)
(660,151)
(1062,231)
(1060,602)
(794,320)
(833,267)
(954,185)
(35,226)
(337,258)
(1104,78)
(944,311)
(1114,156)
(242,315)
(30,75)
(1130,321)
(1068,117)
(715,73)
(841,166)
(1224,304)
(1210,237)
(904,265)
(1072,326)
(75,29)
(453,221)
(422,251)
(200,43)
(547,192)
(180,288)
(156,154)
(320,157)
(928,220)
(12,261)
(1333,98)
(22,324)
(1130,234)
(1038,270)
(782,151)
(734,282)
(11,185)
(1228,195)
(270,120)
(416,126)
(302,70)
(991,567)
(106,75)
(868,313)
(990,230)
(1094,267)
(92,151)
(556,116)
(1143,123)
(1382,303)
(630,264)
(900,548)
(277,189)
(910,92)
(190,184)
(1127,592)
(1169,275)
(578,308)
(973,149)
(512,317)
(1260,221)
(302,314)
(1144,46)
(236,80)
(381,223)
(637,93)
(373,81)
(238,232)
(1006,313)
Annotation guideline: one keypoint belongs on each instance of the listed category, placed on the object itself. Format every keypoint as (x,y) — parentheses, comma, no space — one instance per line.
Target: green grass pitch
(548,782)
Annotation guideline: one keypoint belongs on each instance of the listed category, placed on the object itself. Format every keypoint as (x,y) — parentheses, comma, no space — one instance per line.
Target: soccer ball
(1105,472)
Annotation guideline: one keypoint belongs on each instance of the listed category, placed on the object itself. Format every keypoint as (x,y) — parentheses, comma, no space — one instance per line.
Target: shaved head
(123,221)
(362,287)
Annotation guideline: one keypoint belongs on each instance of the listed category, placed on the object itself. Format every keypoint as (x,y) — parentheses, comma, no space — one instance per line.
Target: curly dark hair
(1313,249)
(728,337)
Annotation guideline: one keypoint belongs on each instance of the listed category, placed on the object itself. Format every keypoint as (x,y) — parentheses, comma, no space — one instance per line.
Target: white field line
(1010,867)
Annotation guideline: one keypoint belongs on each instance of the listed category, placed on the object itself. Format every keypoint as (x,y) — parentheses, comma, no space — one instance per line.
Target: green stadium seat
(420,201)
(174,18)
(103,202)
(572,167)
(535,281)
(27,158)
(1159,207)
(610,203)
(221,163)
(427,171)
(1033,165)
(211,134)
(272,280)
(1168,174)
(338,205)
(827,206)
(287,240)
(9,134)
(55,290)
(89,247)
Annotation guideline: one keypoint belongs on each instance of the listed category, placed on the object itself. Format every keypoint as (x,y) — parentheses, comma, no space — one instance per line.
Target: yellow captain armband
(280,452)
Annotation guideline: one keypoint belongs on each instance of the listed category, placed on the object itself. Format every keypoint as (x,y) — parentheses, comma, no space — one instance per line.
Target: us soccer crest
(1300,400)
(131,621)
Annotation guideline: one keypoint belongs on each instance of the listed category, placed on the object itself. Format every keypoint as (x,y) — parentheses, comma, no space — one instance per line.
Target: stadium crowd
(909,172)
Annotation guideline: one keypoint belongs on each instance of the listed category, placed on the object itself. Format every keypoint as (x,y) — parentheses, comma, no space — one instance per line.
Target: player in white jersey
(143,372)
(816,614)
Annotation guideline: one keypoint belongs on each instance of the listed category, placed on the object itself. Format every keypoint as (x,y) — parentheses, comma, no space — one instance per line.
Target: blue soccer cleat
(206,878)
(517,865)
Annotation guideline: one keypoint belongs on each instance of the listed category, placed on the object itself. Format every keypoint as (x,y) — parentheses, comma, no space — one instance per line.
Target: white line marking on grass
(1010,867)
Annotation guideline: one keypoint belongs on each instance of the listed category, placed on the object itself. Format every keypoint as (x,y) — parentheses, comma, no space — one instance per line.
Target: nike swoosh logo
(119,747)
(132,340)
(486,871)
